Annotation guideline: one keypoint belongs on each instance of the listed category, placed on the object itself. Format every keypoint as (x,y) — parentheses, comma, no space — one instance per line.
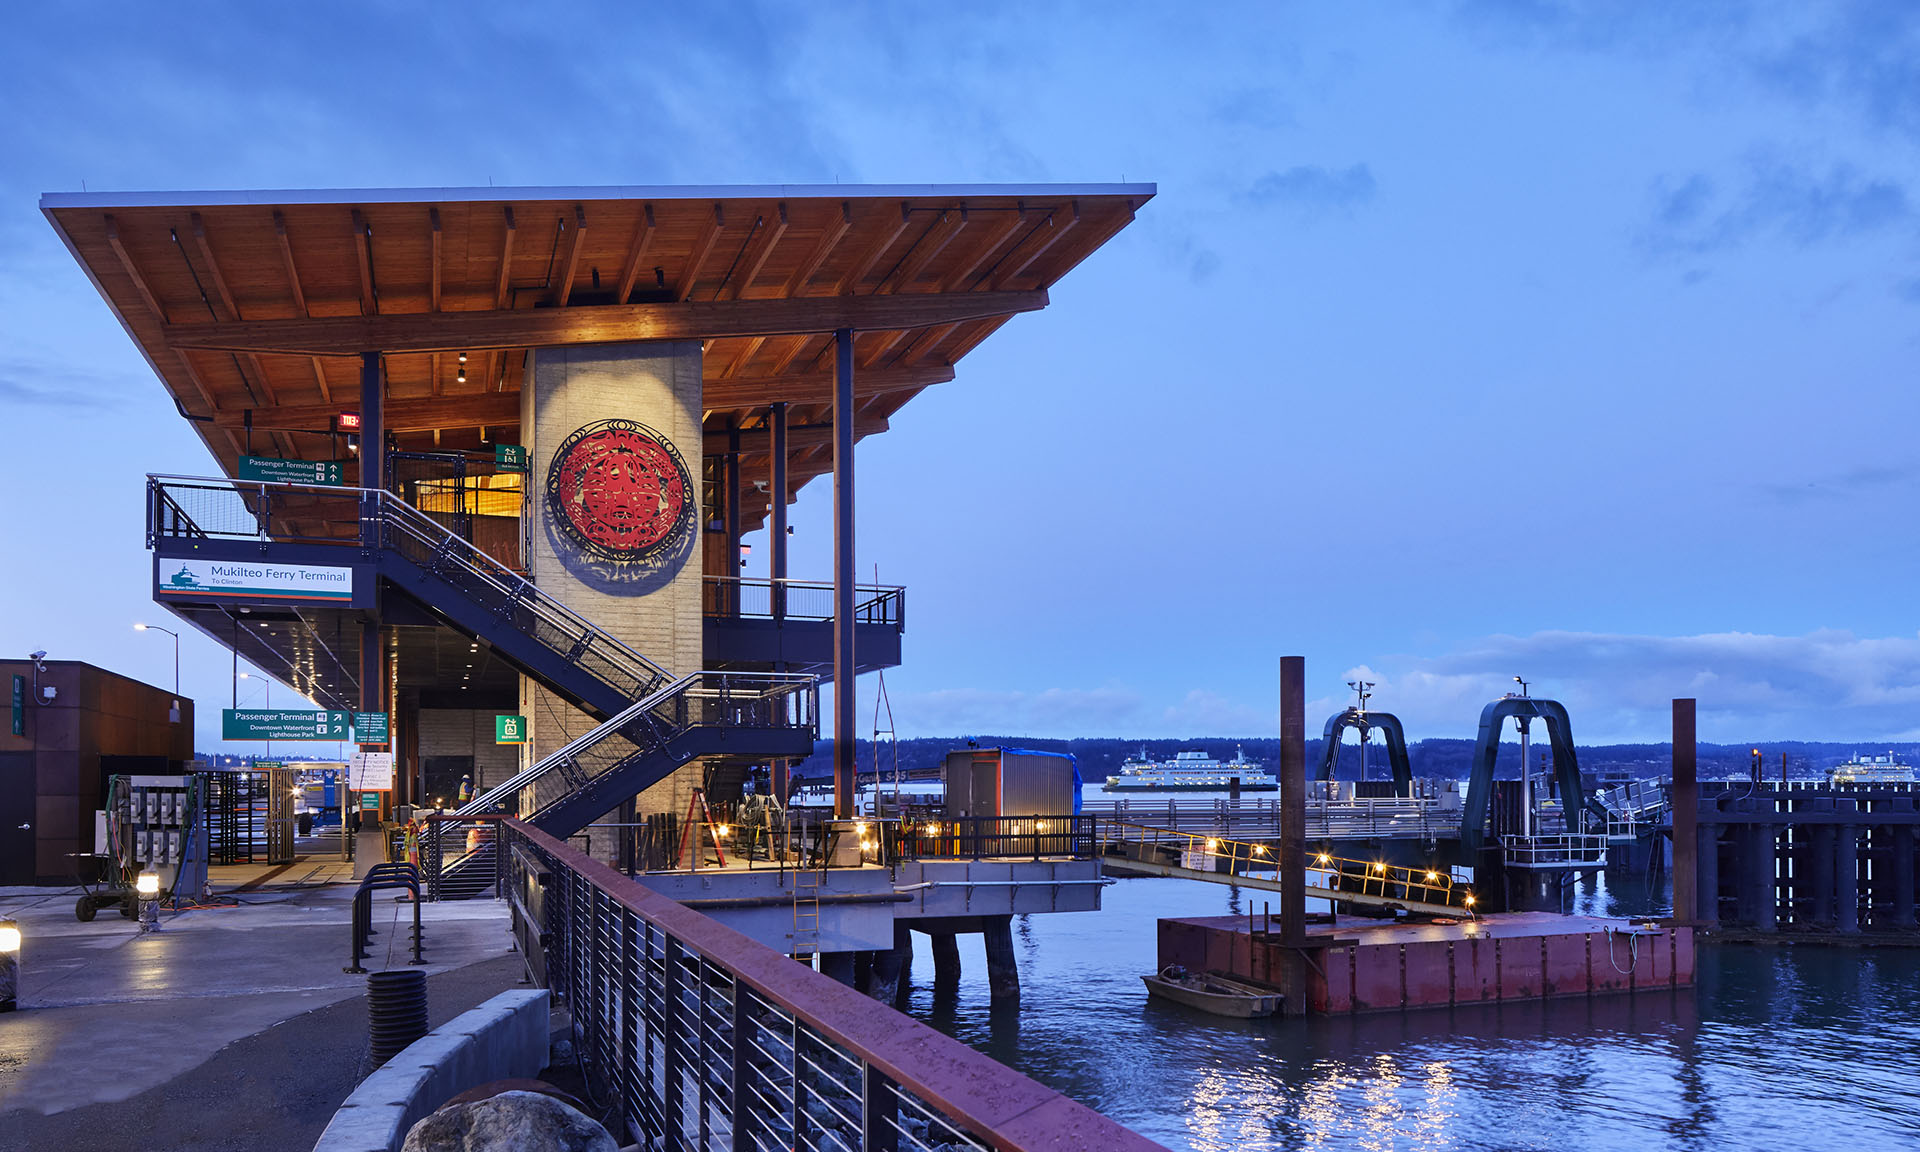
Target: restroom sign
(509,729)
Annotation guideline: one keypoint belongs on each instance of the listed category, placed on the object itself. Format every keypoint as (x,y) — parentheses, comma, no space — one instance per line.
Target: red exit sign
(348,422)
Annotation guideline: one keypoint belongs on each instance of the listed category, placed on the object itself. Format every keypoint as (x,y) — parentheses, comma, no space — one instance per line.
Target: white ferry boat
(1190,772)
(1871,770)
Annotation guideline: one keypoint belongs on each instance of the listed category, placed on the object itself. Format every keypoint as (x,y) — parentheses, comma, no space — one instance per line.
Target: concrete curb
(505,1038)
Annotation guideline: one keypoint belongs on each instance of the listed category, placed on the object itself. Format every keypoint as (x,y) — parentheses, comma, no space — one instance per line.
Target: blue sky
(1462,341)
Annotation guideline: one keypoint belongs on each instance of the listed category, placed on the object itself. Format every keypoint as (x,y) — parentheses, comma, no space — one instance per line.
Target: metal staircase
(652,722)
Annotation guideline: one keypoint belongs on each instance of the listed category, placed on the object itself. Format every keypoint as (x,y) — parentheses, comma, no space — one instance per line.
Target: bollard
(396,1012)
(9,965)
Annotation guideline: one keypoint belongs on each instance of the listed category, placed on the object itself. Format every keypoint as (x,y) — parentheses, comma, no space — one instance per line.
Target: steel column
(1903,878)
(843,575)
(373,437)
(1707,895)
(777,550)
(1846,878)
(733,513)
(1689,896)
(1293,800)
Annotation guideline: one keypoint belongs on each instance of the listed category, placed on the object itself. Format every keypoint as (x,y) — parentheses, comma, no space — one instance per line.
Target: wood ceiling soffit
(877,249)
(747,353)
(400,333)
(709,236)
(401,414)
(932,242)
(505,284)
(636,254)
(716,443)
(433,257)
(133,272)
(962,277)
(814,387)
(363,253)
(1091,239)
(1049,234)
(230,311)
(793,349)
(924,343)
(829,239)
(769,238)
(563,287)
(299,296)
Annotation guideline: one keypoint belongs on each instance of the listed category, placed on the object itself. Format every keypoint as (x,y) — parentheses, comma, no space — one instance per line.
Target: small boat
(1220,995)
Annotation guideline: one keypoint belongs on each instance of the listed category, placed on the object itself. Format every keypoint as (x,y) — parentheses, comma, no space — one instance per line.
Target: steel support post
(1846,878)
(373,436)
(843,575)
(879,1111)
(777,550)
(1823,850)
(1691,899)
(672,1134)
(731,587)
(1760,880)
(1293,800)
(1706,874)
(738,1086)
(1903,885)
(1003,969)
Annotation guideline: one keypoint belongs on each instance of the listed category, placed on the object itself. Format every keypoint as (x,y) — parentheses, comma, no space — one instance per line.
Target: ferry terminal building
(484,457)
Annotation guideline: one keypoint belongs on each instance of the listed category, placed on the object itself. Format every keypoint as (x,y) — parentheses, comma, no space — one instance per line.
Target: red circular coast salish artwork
(620,489)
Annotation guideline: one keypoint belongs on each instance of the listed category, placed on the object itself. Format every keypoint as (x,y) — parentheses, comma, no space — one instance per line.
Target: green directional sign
(370,800)
(510,457)
(509,729)
(370,728)
(19,705)
(278,724)
(276,471)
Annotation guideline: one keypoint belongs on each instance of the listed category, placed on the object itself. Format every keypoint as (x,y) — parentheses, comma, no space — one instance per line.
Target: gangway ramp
(1144,850)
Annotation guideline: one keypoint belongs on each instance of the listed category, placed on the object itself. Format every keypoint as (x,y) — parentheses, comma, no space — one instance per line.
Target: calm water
(1777,1048)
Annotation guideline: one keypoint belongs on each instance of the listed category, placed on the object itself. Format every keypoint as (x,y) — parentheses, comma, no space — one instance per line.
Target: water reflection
(1815,1049)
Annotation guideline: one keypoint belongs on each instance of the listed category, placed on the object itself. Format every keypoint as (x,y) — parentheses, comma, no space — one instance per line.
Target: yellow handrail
(1373,877)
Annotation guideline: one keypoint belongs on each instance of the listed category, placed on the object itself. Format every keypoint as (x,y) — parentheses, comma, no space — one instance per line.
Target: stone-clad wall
(658,614)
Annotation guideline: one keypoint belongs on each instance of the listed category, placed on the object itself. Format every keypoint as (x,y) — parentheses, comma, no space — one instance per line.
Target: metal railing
(1328,875)
(459,857)
(1555,852)
(981,837)
(218,509)
(729,596)
(1386,818)
(701,1038)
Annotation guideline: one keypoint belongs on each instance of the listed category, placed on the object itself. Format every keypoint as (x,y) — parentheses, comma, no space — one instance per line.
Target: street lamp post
(176,649)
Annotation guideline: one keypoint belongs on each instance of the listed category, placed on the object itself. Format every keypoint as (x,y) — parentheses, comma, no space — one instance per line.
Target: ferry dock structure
(482,464)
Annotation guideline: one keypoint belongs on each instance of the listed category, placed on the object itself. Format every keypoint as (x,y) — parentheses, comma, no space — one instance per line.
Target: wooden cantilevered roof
(254,307)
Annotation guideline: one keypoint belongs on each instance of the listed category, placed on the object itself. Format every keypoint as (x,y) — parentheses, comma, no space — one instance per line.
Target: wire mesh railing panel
(726,596)
(700,1039)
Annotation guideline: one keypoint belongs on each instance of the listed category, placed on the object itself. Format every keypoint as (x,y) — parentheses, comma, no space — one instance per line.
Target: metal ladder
(806,903)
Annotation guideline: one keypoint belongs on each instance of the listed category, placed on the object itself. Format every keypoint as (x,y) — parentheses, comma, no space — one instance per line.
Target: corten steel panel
(1376,977)
(1655,969)
(1183,944)
(1338,963)
(53,860)
(1475,975)
(57,773)
(1429,979)
(53,728)
(1683,956)
(1567,966)
(1520,974)
(1608,971)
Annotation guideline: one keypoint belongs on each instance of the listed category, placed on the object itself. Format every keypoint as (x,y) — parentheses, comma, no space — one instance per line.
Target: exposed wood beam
(925,342)
(798,437)
(794,348)
(924,252)
(433,288)
(220,288)
(769,237)
(963,276)
(636,255)
(690,275)
(745,357)
(1057,226)
(1089,240)
(506,262)
(877,249)
(829,238)
(363,251)
(300,296)
(563,288)
(139,282)
(813,387)
(414,414)
(610,324)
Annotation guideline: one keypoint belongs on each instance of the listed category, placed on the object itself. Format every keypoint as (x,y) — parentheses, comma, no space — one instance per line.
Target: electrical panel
(153,825)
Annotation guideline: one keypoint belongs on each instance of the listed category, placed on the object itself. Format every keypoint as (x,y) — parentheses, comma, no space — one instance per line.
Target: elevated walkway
(652,722)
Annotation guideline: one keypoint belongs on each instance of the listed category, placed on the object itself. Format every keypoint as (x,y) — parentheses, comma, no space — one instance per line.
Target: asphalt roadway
(230,1028)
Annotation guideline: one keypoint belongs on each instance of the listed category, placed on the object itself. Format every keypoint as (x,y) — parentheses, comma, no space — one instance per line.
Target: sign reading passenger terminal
(272,724)
(255,580)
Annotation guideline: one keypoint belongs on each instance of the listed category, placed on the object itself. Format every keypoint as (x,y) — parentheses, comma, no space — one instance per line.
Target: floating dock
(1362,966)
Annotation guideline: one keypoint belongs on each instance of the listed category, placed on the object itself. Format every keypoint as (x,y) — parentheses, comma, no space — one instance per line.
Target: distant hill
(1100,757)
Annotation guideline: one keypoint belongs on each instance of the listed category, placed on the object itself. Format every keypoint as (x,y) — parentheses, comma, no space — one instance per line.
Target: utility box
(996,782)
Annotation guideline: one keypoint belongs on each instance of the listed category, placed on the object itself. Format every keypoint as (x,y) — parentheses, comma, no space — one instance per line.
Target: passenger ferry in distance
(1190,772)
(1871,770)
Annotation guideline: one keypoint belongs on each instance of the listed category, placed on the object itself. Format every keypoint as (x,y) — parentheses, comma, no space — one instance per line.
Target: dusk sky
(1461,341)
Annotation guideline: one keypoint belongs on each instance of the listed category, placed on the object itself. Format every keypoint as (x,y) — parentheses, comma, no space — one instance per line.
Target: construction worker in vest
(466,789)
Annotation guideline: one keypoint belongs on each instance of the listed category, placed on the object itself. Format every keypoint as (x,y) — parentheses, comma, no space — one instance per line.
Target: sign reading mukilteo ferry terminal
(619,491)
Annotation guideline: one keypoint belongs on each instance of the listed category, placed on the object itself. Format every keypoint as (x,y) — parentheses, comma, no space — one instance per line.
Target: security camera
(36,657)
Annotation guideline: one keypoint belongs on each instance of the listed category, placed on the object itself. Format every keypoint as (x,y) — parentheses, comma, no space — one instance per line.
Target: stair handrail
(400,514)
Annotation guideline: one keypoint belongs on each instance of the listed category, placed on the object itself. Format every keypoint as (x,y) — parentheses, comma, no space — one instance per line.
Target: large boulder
(509,1121)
